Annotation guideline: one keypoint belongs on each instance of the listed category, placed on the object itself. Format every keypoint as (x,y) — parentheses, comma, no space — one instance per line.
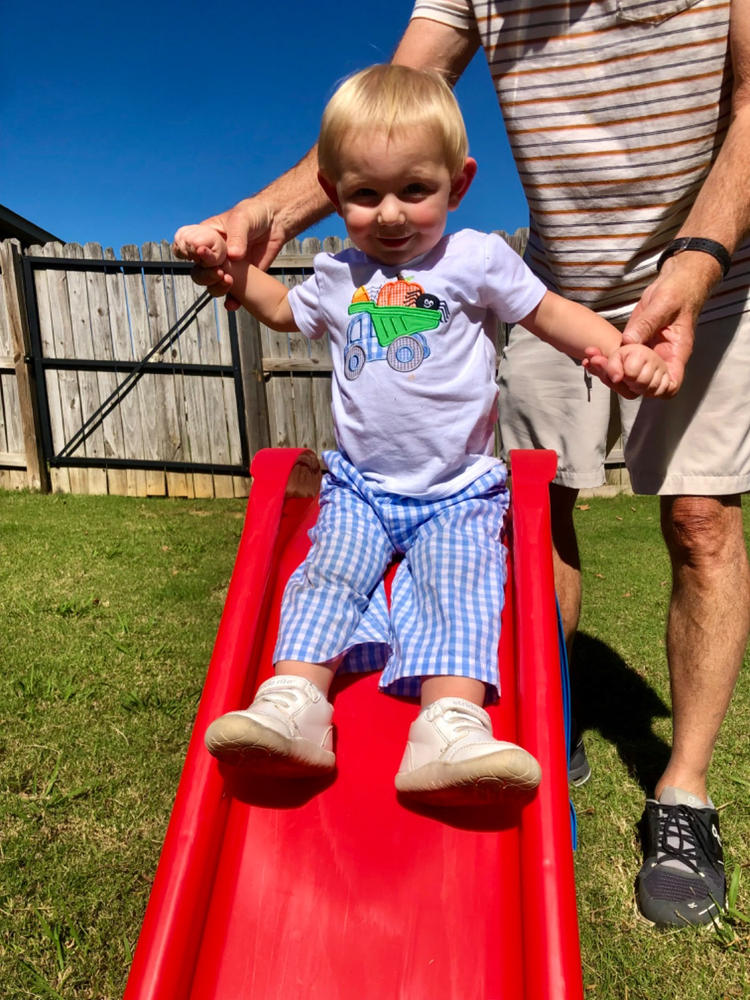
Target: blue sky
(120,122)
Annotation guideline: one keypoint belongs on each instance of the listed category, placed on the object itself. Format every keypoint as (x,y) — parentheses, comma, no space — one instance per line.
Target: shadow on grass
(611,697)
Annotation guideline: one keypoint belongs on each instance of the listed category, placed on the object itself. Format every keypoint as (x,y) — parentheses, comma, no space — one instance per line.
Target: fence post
(254,388)
(37,475)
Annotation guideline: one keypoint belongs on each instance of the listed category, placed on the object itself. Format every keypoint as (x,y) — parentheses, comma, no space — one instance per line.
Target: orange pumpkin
(399,293)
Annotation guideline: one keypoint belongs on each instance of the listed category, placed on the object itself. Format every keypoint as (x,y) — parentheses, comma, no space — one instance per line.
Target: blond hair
(395,99)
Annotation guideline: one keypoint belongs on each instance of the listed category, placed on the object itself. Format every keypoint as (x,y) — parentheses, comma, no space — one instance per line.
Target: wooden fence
(111,381)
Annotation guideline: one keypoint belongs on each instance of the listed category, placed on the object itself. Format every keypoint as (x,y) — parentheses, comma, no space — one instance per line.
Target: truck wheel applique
(354,361)
(405,354)
(392,327)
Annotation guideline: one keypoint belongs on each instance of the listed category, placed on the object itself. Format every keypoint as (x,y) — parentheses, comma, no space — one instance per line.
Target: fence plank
(196,421)
(88,385)
(236,485)
(320,354)
(103,349)
(25,393)
(60,344)
(213,394)
(122,349)
(299,403)
(178,484)
(59,477)
(299,348)
(11,432)
(6,379)
(143,340)
(253,382)
(280,389)
(160,297)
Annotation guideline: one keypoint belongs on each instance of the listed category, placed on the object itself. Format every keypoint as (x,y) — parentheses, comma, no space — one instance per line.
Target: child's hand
(208,249)
(202,244)
(632,370)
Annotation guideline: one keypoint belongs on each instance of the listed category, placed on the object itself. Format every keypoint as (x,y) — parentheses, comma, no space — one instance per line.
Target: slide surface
(335,889)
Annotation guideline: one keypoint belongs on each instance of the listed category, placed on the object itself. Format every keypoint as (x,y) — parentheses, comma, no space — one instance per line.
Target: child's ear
(330,189)
(462,182)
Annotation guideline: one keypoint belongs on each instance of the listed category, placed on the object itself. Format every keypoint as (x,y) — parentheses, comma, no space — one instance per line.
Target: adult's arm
(430,44)
(256,228)
(669,308)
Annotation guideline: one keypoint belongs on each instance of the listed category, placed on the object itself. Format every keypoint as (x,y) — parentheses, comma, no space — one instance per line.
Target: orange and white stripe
(614,110)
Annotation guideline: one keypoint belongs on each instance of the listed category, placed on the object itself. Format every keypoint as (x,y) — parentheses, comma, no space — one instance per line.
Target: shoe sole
(482,780)
(662,913)
(579,778)
(240,740)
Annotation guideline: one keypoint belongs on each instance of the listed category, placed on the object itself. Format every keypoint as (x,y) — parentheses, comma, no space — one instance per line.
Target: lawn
(110,607)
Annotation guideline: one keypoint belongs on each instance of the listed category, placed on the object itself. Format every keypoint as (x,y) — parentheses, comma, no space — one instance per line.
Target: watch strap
(682,243)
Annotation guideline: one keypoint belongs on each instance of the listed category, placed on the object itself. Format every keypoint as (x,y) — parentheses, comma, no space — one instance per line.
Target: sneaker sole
(240,740)
(661,913)
(479,781)
(579,776)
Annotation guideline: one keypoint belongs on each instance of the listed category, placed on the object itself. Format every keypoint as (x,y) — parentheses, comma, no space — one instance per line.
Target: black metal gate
(131,370)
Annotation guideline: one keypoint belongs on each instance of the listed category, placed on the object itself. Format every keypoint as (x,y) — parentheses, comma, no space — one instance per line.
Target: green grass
(109,611)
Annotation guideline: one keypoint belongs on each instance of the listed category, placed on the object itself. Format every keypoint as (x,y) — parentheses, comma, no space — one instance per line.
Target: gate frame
(42,364)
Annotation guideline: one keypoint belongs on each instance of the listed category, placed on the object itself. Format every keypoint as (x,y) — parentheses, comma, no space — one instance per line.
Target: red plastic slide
(337,890)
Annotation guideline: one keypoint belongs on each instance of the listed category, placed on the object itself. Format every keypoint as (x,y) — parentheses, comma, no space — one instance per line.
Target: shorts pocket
(650,11)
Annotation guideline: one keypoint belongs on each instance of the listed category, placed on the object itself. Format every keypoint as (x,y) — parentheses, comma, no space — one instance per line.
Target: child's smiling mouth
(394,241)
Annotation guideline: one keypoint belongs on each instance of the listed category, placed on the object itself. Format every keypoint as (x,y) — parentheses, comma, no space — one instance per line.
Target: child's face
(394,194)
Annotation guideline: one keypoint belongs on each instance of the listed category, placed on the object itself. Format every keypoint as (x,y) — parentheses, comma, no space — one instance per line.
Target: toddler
(411,313)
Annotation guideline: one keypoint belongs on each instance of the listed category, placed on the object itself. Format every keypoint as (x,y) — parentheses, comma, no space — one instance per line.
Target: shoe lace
(461,723)
(280,698)
(682,837)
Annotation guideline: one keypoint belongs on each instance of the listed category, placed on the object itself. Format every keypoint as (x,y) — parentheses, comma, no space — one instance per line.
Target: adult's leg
(694,451)
(707,628)
(566,559)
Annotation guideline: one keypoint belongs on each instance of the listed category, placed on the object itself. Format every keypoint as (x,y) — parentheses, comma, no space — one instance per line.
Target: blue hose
(565,678)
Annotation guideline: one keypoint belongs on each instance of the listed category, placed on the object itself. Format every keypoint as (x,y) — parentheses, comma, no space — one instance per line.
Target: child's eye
(416,190)
(364,196)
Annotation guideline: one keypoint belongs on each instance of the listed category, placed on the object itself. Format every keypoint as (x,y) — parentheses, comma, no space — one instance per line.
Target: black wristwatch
(682,243)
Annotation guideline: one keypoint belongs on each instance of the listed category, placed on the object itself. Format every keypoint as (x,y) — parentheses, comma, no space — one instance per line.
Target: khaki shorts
(697,443)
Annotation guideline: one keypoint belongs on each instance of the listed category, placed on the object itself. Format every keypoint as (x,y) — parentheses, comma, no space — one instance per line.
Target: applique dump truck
(391,331)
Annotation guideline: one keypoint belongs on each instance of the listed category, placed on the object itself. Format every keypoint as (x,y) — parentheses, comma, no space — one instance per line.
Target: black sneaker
(579,769)
(682,878)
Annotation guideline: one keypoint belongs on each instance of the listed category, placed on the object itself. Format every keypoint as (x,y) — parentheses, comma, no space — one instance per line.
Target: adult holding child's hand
(256,228)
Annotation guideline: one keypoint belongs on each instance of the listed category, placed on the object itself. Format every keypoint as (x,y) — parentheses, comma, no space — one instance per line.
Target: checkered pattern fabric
(447,592)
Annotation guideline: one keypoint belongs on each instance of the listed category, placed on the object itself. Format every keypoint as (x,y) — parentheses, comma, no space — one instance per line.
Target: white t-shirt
(414,393)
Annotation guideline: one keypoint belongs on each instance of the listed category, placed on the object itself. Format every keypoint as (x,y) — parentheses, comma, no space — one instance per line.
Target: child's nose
(390,212)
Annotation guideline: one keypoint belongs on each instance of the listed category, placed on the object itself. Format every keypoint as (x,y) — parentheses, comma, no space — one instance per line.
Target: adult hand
(251,233)
(256,228)
(667,313)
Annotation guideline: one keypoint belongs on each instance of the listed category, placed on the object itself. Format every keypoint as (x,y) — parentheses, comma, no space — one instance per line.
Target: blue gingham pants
(447,592)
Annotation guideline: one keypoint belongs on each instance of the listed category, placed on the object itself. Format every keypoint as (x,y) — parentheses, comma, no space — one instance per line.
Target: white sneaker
(287,730)
(452,757)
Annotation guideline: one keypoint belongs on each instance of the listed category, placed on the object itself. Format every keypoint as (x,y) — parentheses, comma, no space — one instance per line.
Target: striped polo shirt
(615,110)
